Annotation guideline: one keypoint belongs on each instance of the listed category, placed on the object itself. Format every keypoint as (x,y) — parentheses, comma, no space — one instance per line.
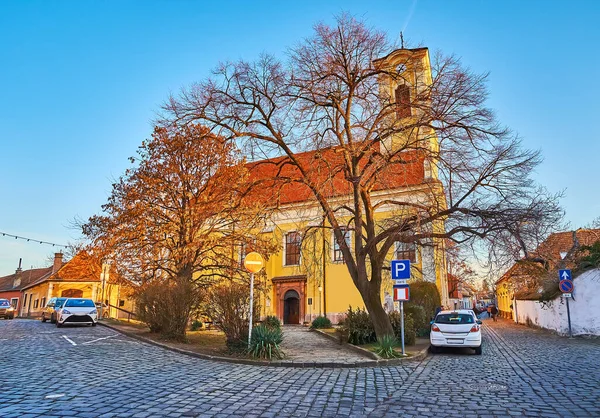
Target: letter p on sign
(400,269)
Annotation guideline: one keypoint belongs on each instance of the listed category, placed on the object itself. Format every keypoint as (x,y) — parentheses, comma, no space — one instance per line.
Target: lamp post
(320,294)
(104,278)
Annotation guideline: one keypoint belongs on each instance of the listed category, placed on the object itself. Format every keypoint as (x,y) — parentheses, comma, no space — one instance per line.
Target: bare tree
(332,97)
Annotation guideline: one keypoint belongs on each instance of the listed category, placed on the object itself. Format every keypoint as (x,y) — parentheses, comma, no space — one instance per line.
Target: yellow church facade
(307,277)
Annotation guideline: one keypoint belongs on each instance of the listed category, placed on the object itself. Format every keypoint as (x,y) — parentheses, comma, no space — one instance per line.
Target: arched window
(402,101)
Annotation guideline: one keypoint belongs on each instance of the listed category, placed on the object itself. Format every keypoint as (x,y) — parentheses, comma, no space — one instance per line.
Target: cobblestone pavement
(301,344)
(89,372)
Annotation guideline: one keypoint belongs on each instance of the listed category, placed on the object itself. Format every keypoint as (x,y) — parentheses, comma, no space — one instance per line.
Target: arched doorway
(291,307)
(72,293)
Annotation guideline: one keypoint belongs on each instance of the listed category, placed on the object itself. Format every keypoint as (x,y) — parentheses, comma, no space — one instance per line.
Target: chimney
(19,269)
(57,262)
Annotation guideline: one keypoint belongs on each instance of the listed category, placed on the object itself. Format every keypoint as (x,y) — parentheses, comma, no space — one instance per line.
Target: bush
(385,347)
(195,325)
(426,295)
(358,327)
(321,322)
(417,313)
(272,321)
(265,342)
(409,327)
(166,306)
(229,306)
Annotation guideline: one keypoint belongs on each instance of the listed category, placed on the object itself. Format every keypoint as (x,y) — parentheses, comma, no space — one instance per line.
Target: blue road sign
(566,286)
(400,269)
(564,274)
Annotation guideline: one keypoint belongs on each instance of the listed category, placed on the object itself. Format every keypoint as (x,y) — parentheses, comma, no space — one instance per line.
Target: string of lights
(6,234)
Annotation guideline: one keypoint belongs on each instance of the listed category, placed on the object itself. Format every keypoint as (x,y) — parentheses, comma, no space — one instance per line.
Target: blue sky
(82,81)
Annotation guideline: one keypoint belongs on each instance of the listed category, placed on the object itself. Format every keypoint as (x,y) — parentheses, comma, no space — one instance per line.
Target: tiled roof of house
(550,250)
(27,277)
(81,268)
(277,181)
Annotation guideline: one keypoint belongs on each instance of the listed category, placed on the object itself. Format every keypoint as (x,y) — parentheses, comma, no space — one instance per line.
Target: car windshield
(79,303)
(59,302)
(4,303)
(454,318)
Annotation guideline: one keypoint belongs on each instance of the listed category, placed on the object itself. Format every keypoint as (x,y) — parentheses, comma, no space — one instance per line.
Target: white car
(77,311)
(459,328)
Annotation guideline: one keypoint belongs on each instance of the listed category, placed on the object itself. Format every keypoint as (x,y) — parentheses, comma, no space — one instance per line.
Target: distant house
(11,286)
(523,279)
(82,276)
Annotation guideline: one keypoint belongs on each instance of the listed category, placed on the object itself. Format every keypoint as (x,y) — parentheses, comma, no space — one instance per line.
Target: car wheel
(94,324)
(58,324)
(478,350)
(52,319)
(43,318)
(12,316)
(433,349)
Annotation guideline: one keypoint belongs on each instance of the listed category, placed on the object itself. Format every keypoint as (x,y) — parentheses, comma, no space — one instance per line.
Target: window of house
(402,101)
(43,302)
(293,242)
(36,303)
(406,251)
(14,302)
(337,250)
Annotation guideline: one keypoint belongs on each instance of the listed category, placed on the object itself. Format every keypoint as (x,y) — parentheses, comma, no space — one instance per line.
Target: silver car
(7,311)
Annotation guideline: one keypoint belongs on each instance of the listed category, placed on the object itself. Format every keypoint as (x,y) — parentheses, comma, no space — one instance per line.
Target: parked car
(459,328)
(77,311)
(49,312)
(7,311)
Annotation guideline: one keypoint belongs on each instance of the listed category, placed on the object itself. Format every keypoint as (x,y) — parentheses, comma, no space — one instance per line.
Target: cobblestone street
(88,372)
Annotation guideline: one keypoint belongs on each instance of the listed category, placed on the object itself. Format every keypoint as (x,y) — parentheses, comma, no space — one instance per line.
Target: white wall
(584,307)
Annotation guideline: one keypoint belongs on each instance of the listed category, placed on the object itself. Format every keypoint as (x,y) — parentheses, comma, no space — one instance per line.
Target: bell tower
(404,88)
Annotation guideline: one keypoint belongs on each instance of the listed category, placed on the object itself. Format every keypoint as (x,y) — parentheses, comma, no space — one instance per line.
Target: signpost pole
(569,318)
(253,263)
(402,325)
(251,309)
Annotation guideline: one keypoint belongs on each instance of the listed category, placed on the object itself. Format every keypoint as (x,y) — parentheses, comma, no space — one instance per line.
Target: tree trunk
(380,319)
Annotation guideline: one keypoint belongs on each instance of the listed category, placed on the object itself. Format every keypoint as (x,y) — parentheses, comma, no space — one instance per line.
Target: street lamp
(320,290)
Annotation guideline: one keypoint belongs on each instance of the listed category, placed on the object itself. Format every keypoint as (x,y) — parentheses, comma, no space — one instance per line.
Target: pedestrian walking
(494,312)
(489,311)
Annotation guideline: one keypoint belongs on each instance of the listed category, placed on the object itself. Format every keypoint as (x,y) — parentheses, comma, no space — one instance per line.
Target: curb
(291,364)
(380,361)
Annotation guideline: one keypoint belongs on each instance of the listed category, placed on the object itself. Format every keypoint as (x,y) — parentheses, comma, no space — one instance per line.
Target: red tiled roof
(550,250)
(27,277)
(278,181)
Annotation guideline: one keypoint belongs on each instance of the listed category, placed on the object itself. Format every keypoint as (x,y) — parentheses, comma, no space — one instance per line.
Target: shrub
(166,306)
(358,327)
(421,322)
(321,322)
(409,327)
(229,305)
(272,321)
(426,295)
(265,342)
(195,325)
(385,346)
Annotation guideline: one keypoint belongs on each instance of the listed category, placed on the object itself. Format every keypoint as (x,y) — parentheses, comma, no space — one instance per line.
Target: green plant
(422,327)
(409,327)
(265,342)
(426,295)
(359,327)
(385,346)
(272,321)
(321,322)
(195,325)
